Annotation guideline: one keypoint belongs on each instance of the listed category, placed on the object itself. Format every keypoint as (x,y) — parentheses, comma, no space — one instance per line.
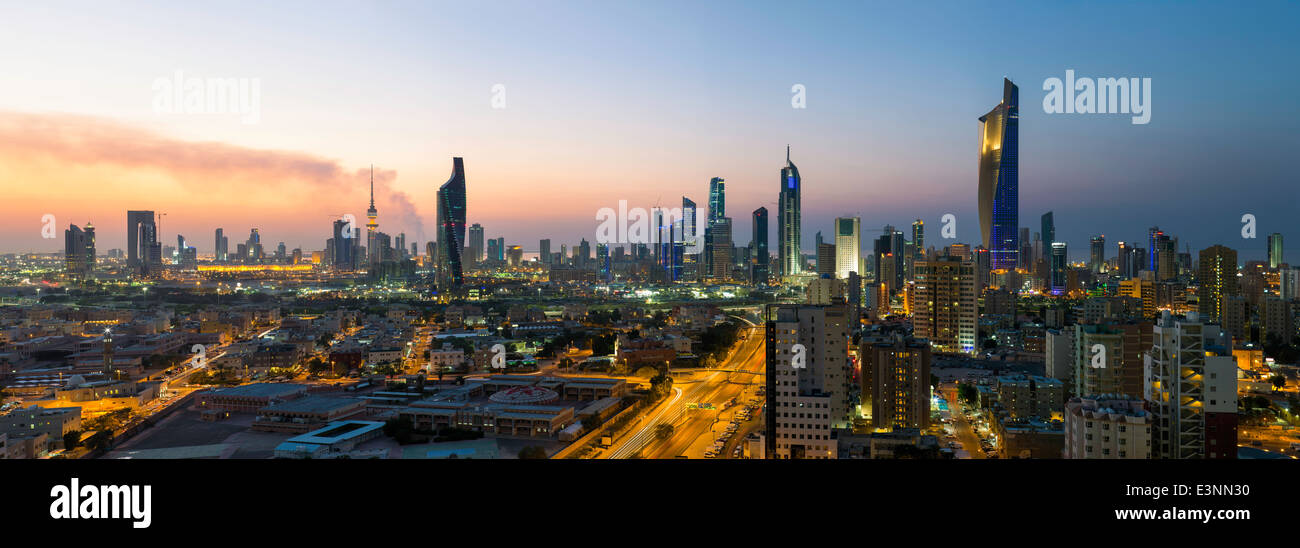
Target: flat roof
(313,404)
(260,389)
(335,432)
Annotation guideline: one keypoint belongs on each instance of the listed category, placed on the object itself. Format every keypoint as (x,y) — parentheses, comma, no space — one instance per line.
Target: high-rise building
(1097,254)
(918,241)
(346,244)
(1123,346)
(896,376)
(544,251)
(999,189)
(717,212)
(848,241)
(1057,279)
(946,311)
(79,251)
(476,243)
(825,260)
(759,257)
(808,380)
(1124,260)
(141,238)
(1191,390)
(222,250)
(451,227)
(788,219)
(1049,229)
(721,250)
(1217,279)
(1275,251)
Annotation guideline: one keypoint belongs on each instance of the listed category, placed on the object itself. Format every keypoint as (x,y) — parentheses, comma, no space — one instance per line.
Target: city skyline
(81,159)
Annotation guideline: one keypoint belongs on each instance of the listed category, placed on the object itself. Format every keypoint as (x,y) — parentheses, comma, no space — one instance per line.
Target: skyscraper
(999,186)
(1049,229)
(79,250)
(1097,254)
(451,227)
(788,219)
(222,250)
(759,258)
(848,242)
(1275,251)
(544,251)
(345,244)
(141,237)
(918,241)
(1057,279)
(713,243)
(476,243)
(1217,277)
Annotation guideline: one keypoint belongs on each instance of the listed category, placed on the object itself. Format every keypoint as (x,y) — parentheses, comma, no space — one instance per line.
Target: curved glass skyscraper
(787,223)
(451,227)
(999,182)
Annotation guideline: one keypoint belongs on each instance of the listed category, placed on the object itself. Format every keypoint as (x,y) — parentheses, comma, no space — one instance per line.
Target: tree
(533,452)
(969,394)
(1278,380)
(71,440)
(663,431)
(399,429)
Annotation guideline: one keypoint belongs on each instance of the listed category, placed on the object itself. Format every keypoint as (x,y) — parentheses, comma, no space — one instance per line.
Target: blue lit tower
(787,223)
(999,185)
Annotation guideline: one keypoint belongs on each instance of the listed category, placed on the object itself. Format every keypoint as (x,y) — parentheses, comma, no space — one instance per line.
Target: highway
(739,375)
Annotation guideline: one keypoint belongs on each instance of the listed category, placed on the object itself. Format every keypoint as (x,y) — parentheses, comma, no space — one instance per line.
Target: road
(966,434)
(739,375)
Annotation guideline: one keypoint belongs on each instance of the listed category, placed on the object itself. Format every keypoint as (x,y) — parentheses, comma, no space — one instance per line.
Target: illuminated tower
(451,228)
(788,219)
(372,223)
(999,186)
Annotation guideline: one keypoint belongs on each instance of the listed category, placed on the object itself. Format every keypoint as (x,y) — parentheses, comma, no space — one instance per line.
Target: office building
(759,257)
(476,244)
(788,219)
(222,253)
(1057,280)
(1275,251)
(848,241)
(79,251)
(451,228)
(144,253)
(1097,254)
(999,206)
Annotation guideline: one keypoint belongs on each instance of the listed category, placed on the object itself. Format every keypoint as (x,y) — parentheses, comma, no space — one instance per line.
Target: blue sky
(645,101)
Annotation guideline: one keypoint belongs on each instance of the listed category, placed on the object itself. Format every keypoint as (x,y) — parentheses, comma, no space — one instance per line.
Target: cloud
(68,153)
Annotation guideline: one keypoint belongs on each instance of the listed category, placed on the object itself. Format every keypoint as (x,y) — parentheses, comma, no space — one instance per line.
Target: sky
(645,102)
